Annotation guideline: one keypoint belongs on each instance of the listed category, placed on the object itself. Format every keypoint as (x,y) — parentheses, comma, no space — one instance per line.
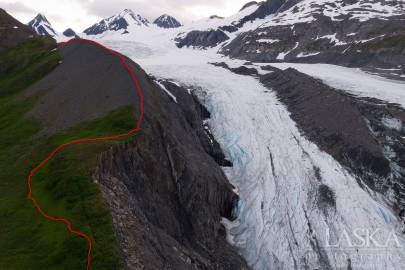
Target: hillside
(12,32)
(54,94)
(270,139)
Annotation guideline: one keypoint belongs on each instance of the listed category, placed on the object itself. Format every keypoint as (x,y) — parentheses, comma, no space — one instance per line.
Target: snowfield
(353,80)
(306,11)
(299,208)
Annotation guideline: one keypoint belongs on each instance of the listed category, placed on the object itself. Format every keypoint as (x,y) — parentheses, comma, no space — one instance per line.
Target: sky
(80,14)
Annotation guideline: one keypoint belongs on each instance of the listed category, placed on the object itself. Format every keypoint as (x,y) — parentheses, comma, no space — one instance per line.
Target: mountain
(367,34)
(150,200)
(118,22)
(12,32)
(320,155)
(343,32)
(314,179)
(215,30)
(70,33)
(42,26)
(166,21)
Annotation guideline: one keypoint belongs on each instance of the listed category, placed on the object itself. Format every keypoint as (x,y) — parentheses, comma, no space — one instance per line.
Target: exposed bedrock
(375,44)
(166,189)
(203,39)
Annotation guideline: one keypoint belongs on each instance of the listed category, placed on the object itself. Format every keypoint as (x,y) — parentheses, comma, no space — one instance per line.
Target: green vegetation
(26,63)
(63,186)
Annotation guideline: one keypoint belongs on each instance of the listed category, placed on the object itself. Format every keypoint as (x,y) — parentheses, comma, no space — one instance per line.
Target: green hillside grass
(63,186)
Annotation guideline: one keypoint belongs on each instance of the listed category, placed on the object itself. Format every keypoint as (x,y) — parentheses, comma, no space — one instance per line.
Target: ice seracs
(42,26)
(119,22)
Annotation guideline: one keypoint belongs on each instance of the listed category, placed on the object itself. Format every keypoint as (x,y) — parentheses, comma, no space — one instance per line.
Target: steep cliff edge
(167,194)
(165,188)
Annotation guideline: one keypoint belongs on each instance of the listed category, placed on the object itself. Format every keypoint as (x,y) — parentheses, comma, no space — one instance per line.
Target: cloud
(187,10)
(17,7)
(80,14)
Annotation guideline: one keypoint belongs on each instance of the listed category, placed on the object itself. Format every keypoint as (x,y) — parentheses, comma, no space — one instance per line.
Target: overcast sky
(80,14)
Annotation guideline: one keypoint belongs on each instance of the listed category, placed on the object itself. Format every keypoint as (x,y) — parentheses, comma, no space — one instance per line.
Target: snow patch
(392,123)
(301,54)
(353,80)
(267,40)
(166,91)
(282,55)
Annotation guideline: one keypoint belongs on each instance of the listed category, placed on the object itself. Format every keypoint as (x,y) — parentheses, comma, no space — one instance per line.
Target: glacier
(299,208)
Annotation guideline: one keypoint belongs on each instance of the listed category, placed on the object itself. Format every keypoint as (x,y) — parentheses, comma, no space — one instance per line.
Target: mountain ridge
(117,22)
(12,32)
(42,26)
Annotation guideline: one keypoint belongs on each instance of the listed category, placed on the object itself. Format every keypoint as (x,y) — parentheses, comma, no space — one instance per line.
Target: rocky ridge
(12,32)
(118,22)
(42,26)
(166,190)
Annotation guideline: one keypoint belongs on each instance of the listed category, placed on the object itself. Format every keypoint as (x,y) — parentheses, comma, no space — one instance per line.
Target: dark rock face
(266,8)
(365,135)
(374,44)
(12,32)
(70,33)
(166,193)
(102,26)
(216,17)
(228,28)
(203,39)
(242,70)
(211,38)
(166,190)
(166,21)
(195,114)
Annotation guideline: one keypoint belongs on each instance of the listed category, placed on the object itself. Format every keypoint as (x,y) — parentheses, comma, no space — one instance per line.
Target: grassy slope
(63,187)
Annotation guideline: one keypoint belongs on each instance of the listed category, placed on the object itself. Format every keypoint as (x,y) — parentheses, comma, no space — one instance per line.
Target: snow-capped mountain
(214,30)
(344,32)
(167,21)
(118,22)
(319,164)
(42,26)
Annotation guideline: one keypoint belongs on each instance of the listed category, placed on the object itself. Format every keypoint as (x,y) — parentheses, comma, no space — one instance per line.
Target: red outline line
(132,131)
